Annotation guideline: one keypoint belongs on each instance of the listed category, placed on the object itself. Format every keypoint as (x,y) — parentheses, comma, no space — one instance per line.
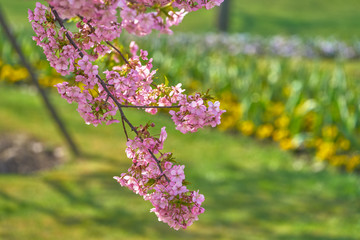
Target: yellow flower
(233,111)
(329,132)
(310,143)
(247,127)
(227,96)
(276,108)
(287,91)
(13,74)
(325,150)
(43,81)
(280,134)
(343,144)
(287,144)
(22,73)
(318,142)
(309,121)
(264,131)
(238,109)
(56,80)
(50,81)
(6,71)
(282,122)
(353,162)
(227,122)
(338,160)
(194,84)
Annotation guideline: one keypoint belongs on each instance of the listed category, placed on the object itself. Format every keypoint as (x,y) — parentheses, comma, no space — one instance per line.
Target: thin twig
(107,42)
(119,52)
(125,131)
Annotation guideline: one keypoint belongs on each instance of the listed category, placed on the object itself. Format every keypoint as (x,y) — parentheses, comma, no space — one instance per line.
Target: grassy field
(306,18)
(337,18)
(252,189)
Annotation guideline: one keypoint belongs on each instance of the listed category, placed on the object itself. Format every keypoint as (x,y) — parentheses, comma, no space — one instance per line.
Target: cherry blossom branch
(117,50)
(107,42)
(104,85)
(130,85)
(60,21)
(134,2)
(124,118)
(33,77)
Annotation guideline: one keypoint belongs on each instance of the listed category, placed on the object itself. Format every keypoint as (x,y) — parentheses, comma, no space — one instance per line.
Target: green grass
(16,11)
(309,18)
(252,189)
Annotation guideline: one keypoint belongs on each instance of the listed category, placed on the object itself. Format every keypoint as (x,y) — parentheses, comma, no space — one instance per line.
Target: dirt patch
(23,154)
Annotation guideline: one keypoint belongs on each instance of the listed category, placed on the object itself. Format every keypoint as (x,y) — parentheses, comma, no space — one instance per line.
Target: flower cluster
(160,180)
(131,83)
(139,17)
(277,45)
(194,114)
(101,95)
(277,99)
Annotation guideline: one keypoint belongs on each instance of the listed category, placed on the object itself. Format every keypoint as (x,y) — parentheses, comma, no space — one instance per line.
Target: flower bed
(303,104)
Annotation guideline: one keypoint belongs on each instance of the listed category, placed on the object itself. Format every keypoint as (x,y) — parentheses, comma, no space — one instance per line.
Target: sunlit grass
(252,190)
(286,17)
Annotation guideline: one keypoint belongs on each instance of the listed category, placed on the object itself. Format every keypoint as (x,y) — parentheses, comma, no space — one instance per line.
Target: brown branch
(119,52)
(124,118)
(125,131)
(66,33)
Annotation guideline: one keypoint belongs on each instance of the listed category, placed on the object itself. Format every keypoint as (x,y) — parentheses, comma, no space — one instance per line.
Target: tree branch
(118,51)
(104,85)
(107,42)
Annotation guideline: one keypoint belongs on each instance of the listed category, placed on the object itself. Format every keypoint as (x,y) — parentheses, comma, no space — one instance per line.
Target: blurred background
(284,163)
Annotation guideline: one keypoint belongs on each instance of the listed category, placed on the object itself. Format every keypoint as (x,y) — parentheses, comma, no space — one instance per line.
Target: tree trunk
(224,15)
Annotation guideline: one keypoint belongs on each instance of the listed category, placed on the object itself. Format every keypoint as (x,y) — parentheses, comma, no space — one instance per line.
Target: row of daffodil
(303,104)
(18,74)
(12,71)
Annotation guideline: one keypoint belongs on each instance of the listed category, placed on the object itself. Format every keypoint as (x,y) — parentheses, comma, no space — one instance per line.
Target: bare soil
(22,154)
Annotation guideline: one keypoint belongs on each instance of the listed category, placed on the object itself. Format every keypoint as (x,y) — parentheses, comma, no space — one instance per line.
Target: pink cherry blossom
(102,93)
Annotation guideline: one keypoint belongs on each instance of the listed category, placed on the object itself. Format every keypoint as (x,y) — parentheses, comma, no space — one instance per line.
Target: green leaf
(150,182)
(185,183)
(166,81)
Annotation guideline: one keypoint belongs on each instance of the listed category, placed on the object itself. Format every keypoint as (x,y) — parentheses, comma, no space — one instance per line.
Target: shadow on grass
(273,204)
(312,237)
(240,204)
